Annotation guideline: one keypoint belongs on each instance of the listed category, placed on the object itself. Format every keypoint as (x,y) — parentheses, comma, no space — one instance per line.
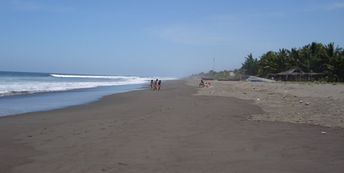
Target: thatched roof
(207,78)
(293,71)
(297,71)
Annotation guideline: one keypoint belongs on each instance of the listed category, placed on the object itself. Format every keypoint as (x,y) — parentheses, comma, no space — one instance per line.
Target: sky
(157,37)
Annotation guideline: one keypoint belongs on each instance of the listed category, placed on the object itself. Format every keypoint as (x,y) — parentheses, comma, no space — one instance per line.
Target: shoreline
(21,159)
(67,107)
(71,106)
(74,91)
(172,130)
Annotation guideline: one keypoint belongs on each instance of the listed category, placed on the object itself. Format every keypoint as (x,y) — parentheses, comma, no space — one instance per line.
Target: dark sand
(166,131)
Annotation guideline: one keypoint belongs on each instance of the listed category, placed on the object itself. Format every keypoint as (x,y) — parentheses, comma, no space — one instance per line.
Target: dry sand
(167,131)
(310,103)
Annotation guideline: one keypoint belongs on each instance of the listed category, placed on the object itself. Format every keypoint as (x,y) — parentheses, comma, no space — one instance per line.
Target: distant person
(201,84)
(151,84)
(156,84)
(159,85)
(208,85)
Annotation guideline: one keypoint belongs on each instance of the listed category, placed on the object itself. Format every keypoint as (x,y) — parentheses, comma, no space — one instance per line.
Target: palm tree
(283,60)
(314,57)
(268,64)
(250,66)
(294,58)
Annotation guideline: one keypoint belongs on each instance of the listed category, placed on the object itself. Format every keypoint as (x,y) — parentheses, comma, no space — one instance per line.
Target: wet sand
(173,130)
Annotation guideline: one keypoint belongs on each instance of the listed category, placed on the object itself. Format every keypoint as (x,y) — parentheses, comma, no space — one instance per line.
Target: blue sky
(157,37)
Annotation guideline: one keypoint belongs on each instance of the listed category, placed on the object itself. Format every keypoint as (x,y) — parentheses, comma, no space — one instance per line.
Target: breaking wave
(65,82)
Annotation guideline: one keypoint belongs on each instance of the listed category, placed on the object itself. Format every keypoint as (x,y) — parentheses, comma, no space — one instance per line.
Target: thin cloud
(336,6)
(32,6)
(326,7)
(187,35)
(222,17)
(25,5)
(225,18)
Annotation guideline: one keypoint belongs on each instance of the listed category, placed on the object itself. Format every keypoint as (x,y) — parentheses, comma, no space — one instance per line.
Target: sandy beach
(182,129)
(295,102)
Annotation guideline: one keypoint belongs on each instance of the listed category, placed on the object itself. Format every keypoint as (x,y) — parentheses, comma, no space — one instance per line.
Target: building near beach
(296,74)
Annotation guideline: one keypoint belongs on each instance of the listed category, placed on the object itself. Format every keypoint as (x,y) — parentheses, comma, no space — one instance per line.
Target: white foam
(19,88)
(96,76)
(30,87)
(110,77)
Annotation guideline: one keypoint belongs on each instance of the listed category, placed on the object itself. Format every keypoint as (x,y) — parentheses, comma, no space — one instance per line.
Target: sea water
(22,92)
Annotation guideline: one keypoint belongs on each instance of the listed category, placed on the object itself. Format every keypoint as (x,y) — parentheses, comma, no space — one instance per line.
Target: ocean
(23,92)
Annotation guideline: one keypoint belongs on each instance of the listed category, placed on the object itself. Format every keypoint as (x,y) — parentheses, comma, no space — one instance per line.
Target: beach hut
(296,74)
(207,78)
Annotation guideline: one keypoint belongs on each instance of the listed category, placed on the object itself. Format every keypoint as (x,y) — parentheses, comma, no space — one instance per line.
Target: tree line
(315,57)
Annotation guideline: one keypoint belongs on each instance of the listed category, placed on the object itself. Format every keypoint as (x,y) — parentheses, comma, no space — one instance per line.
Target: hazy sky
(146,37)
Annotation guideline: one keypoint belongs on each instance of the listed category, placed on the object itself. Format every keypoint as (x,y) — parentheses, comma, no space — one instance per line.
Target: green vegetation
(250,67)
(221,75)
(314,57)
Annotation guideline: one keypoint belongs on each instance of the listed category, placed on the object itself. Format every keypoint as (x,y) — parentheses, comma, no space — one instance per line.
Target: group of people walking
(155,85)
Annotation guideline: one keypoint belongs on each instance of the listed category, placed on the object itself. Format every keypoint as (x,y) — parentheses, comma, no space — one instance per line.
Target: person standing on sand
(151,84)
(159,85)
(201,84)
(156,84)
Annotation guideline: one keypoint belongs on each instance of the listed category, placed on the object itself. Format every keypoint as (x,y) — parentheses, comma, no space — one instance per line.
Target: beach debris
(258,99)
(300,101)
(307,103)
(122,164)
(323,132)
